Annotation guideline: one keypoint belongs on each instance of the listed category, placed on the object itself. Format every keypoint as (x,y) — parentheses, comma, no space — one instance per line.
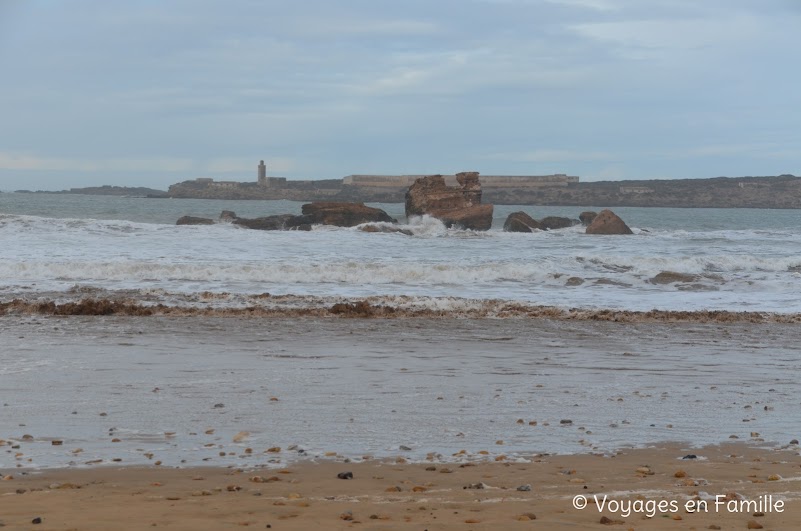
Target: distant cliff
(783,191)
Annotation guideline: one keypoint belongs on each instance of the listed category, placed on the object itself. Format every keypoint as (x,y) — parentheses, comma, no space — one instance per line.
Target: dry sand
(399,495)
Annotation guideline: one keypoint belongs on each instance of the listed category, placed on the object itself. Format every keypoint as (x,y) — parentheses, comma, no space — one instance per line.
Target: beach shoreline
(737,483)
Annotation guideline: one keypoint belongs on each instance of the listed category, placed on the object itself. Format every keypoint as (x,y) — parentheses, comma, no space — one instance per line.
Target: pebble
(56,442)
(37,520)
(565,421)
(524,488)
(345,475)
(753,524)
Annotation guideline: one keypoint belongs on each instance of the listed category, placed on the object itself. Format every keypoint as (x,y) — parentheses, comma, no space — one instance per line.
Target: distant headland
(783,191)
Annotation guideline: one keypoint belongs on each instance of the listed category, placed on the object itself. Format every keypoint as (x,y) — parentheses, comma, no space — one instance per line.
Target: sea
(228,391)
(728,259)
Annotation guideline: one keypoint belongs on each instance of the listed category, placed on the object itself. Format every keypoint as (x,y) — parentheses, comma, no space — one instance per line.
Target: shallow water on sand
(369,386)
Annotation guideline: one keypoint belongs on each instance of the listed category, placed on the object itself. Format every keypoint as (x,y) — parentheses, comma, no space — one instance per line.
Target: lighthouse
(262,174)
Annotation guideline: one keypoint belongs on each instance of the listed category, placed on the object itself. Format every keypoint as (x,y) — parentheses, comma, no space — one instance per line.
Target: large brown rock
(453,205)
(192,220)
(520,222)
(343,214)
(607,222)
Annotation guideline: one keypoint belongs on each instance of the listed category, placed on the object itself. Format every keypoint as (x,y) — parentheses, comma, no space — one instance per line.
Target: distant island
(123,191)
(783,191)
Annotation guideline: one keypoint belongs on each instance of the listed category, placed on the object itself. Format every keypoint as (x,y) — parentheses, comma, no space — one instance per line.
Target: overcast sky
(148,93)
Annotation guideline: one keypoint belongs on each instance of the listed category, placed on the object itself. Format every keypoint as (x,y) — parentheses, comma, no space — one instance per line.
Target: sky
(153,92)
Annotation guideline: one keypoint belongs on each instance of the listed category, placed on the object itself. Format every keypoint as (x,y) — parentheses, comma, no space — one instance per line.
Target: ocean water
(736,259)
(179,389)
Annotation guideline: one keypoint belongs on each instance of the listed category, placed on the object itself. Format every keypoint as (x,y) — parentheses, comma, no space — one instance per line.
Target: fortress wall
(487,181)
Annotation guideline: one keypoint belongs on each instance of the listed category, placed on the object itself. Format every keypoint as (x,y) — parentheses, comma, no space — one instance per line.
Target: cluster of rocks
(456,206)
(607,222)
(321,213)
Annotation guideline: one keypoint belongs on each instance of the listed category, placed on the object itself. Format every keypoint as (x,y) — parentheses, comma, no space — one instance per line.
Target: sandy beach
(740,488)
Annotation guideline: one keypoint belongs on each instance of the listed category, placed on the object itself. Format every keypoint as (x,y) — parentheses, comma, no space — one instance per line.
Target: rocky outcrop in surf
(587,217)
(456,206)
(520,222)
(607,222)
(557,222)
(192,220)
(320,213)
(343,214)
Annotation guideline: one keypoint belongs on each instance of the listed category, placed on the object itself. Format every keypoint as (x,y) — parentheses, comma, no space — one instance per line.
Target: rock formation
(556,222)
(228,216)
(343,214)
(385,229)
(520,222)
(587,216)
(192,220)
(454,206)
(607,222)
(279,222)
(323,213)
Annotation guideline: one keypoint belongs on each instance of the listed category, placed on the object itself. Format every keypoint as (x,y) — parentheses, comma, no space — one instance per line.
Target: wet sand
(136,390)
(397,495)
(278,407)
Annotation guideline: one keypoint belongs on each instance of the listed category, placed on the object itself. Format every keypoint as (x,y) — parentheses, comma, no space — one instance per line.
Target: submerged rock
(520,222)
(587,217)
(228,216)
(453,205)
(279,222)
(385,228)
(192,220)
(669,277)
(556,222)
(607,222)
